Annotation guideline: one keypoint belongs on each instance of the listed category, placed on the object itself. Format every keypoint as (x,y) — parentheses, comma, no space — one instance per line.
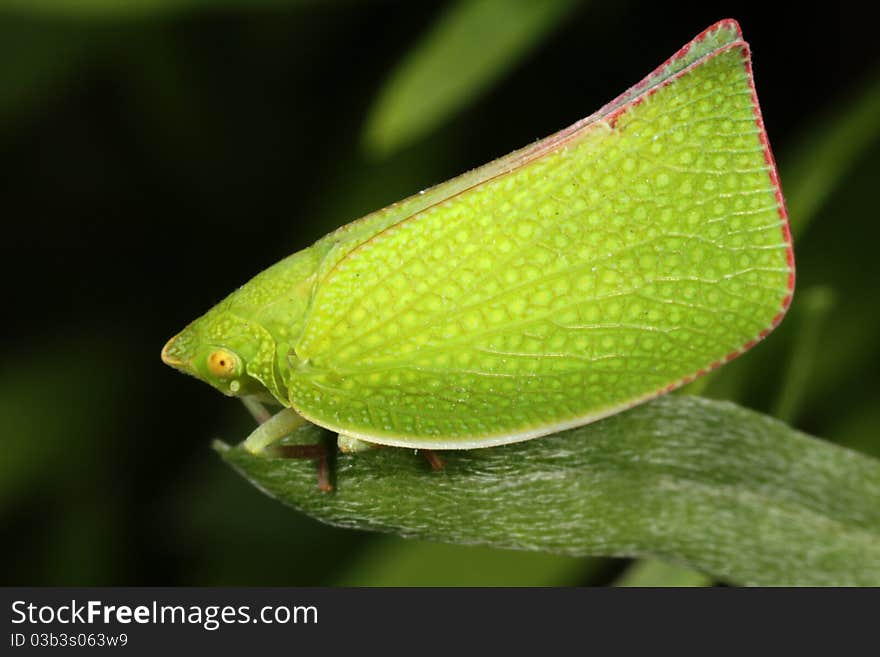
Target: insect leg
(261,413)
(274,427)
(351,445)
(272,430)
(318,452)
(433,458)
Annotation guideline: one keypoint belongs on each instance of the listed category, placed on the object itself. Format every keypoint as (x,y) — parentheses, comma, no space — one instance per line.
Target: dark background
(152,162)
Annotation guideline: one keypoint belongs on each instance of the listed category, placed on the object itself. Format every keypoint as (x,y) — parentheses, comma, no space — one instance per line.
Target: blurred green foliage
(138,136)
(393,561)
(470,46)
(648,572)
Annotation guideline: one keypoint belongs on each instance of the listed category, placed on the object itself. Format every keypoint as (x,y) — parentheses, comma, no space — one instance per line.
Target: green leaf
(812,311)
(657,573)
(827,151)
(726,491)
(469,47)
(395,562)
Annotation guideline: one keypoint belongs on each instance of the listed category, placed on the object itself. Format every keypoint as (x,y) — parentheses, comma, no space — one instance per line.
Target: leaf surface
(731,493)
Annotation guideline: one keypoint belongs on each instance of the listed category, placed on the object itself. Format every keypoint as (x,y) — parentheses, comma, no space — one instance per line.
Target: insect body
(611,262)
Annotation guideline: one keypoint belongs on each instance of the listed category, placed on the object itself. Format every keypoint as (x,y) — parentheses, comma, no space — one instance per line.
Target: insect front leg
(275,427)
(255,407)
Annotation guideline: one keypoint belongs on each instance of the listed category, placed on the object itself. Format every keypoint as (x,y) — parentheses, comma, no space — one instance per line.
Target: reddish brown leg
(318,452)
(434,459)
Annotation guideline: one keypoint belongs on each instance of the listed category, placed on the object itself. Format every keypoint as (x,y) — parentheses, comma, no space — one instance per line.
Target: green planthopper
(593,270)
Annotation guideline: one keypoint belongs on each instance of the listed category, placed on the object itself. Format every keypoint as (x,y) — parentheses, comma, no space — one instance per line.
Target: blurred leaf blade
(473,44)
(726,491)
(815,305)
(394,562)
(44,56)
(650,572)
(827,151)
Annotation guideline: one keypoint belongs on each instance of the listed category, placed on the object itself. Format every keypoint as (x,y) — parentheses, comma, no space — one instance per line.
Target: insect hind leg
(351,445)
(318,452)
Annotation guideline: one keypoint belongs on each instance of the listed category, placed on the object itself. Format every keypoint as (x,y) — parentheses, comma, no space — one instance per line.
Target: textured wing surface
(345,239)
(648,247)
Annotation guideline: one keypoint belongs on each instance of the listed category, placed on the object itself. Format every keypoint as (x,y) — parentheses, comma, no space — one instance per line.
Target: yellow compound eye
(222,363)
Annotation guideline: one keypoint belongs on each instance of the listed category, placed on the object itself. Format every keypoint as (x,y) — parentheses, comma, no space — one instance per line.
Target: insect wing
(617,260)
